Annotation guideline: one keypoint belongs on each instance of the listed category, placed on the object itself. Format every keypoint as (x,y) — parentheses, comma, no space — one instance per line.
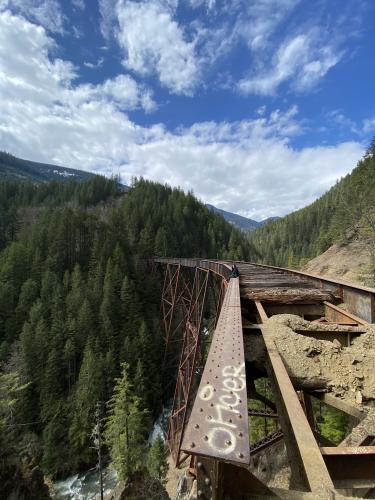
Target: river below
(86,486)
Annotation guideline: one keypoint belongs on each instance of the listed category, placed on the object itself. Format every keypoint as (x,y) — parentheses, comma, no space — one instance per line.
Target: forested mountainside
(13,168)
(79,316)
(345,212)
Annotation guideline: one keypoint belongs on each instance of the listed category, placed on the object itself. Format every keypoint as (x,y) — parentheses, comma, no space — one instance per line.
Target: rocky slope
(348,262)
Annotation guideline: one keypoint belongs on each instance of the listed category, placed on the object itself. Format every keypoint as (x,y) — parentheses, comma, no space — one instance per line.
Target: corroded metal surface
(267,441)
(218,424)
(265,412)
(303,451)
(189,363)
(350,462)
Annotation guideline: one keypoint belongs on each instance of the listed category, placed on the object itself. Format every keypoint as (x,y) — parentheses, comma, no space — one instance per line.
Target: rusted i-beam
(305,457)
(218,424)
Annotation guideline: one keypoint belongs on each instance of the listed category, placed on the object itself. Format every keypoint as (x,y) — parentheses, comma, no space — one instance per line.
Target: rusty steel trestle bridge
(209,422)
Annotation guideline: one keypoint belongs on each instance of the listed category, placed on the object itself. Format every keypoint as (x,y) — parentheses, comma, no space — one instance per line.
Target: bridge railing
(217,266)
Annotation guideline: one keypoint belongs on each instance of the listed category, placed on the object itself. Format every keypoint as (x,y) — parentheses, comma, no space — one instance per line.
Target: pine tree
(126,426)
(88,391)
(157,462)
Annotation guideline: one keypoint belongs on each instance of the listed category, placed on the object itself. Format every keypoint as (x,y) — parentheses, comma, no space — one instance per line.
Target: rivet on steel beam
(228,442)
(205,438)
(200,409)
(240,455)
(196,426)
(199,465)
(240,434)
(192,445)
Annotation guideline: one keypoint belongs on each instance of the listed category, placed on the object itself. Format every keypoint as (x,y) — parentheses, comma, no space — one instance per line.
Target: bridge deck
(218,424)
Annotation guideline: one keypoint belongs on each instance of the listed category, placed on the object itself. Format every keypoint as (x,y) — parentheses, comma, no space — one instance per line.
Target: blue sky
(258,106)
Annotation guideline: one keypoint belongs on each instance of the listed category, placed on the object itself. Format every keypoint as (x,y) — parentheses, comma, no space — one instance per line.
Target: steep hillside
(348,261)
(345,213)
(13,168)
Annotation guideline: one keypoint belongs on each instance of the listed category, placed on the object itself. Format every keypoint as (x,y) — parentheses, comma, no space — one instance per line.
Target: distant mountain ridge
(239,221)
(18,169)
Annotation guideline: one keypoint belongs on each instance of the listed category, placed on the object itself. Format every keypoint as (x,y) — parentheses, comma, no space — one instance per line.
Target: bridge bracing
(184,301)
(213,411)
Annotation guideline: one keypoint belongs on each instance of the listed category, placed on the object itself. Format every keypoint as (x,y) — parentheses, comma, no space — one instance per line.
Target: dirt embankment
(345,372)
(349,262)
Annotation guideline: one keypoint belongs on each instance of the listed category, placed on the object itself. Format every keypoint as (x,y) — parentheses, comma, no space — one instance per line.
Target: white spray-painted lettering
(206,393)
(221,437)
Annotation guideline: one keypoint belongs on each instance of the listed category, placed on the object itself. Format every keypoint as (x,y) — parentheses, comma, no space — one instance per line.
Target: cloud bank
(248,166)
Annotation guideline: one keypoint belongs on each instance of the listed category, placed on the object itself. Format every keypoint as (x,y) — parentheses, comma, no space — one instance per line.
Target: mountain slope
(239,221)
(347,261)
(235,219)
(13,168)
(344,213)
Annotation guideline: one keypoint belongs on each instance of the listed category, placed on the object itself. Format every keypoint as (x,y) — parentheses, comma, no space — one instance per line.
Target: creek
(85,485)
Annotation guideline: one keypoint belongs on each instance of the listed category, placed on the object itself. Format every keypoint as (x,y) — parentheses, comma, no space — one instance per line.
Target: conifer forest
(80,330)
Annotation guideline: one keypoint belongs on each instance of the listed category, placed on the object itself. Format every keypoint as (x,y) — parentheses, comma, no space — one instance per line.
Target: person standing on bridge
(235,272)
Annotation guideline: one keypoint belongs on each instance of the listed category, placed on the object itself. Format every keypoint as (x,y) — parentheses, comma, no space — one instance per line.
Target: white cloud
(247,166)
(47,13)
(96,65)
(369,126)
(154,43)
(182,53)
(125,91)
(28,75)
(209,4)
(302,59)
(256,21)
(107,10)
(79,4)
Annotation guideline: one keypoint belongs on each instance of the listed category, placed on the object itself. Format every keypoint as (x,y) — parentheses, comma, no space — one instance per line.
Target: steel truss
(184,300)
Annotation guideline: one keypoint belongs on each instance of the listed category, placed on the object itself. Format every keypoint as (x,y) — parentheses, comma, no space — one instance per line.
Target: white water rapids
(86,486)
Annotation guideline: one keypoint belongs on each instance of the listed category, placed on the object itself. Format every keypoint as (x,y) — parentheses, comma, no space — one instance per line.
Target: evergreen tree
(88,391)
(126,426)
(157,462)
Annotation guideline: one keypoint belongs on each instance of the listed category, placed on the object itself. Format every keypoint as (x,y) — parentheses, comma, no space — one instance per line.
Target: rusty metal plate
(218,424)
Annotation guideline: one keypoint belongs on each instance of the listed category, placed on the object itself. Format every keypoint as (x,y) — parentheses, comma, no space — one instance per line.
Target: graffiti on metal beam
(218,424)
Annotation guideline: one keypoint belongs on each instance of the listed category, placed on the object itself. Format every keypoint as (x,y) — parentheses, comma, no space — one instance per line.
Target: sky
(257,106)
